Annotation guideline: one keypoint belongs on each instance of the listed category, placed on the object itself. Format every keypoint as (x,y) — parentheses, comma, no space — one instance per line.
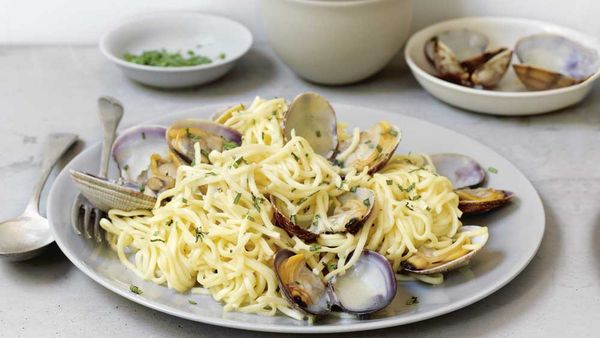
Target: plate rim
(278,328)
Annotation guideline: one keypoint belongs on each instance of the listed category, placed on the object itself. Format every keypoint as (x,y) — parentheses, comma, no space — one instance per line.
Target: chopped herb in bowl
(164,58)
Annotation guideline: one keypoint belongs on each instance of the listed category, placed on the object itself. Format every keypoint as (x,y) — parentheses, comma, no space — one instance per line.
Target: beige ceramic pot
(336,41)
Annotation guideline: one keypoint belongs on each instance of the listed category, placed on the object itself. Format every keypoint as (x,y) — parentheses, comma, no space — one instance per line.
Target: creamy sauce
(362,287)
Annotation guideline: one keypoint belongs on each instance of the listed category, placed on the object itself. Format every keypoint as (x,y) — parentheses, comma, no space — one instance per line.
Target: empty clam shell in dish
(367,287)
(423,264)
(480,200)
(460,56)
(349,214)
(550,61)
(106,195)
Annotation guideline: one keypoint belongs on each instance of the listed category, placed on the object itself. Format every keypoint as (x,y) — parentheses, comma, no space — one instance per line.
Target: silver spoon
(25,236)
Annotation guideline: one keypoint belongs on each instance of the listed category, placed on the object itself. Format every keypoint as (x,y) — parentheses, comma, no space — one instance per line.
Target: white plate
(515,234)
(511,97)
(205,34)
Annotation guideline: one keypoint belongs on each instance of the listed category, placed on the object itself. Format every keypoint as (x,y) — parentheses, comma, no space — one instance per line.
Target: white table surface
(52,89)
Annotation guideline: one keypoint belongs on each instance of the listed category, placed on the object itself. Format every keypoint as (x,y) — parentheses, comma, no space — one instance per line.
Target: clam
(551,61)
(424,264)
(376,146)
(311,116)
(183,134)
(460,56)
(107,195)
(463,171)
(367,287)
(143,158)
(349,214)
(480,200)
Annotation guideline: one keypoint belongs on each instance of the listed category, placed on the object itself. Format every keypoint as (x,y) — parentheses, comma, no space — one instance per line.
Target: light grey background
(46,89)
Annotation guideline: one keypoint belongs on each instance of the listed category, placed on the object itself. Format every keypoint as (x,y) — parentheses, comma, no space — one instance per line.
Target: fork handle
(110,111)
(56,146)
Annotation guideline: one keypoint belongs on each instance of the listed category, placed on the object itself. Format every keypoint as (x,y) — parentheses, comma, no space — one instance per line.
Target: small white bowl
(205,34)
(510,97)
(336,42)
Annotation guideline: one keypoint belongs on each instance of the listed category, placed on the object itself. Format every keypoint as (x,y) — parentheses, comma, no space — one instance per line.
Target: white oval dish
(205,34)
(510,97)
(510,247)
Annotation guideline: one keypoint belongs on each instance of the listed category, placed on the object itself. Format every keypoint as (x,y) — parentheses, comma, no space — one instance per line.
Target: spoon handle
(56,146)
(110,111)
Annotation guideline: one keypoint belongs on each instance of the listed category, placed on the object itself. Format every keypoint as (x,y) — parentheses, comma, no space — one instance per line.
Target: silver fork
(85,218)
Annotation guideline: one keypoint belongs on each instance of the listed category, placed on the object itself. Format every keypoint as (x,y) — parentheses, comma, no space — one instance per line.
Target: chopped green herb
(389,182)
(315,247)
(236,200)
(293,189)
(142,188)
(338,163)
(428,208)
(222,56)
(332,266)
(163,58)
(193,164)
(192,302)
(293,219)
(409,207)
(302,200)
(169,222)
(126,167)
(367,202)
(412,300)
(295,156)
(255,201)
(155,233)
(316,219)
(417,169)
(493,170)
(237,162)
(143,135)
(392,132)
(414,198)
(250,218)
(157,240)
(353,189)
(184,200)
(228,145)
(262,135)
(199,234)
(379,149)
(135,289)
(409,189)
(318,132)
(211,173)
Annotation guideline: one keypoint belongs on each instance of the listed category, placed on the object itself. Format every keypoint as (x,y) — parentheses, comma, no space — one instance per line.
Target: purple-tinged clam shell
(134,147)
(461,170)
(367,287)
(550,61)
(183,134)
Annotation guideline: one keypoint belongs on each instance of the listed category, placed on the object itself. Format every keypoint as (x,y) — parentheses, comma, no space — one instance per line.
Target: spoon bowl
(26,236)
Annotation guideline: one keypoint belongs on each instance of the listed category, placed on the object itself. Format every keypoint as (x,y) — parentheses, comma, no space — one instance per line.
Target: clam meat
(347,214)
(461,56)
(550,61)
(184,134)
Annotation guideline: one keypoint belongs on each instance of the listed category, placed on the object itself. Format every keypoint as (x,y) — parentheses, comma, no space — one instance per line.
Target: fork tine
(97,230)
(76,215)
(87,225)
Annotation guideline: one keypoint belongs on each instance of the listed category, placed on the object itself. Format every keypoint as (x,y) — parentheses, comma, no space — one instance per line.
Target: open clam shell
(311,116)
(183,134)
(460,56)
(367,287)
(353,209)
(375,147)
(457,262)
(480,200)
(462,170)
(106,195)
(550,61)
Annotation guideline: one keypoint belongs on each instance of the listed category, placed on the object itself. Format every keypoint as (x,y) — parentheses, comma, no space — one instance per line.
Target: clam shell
(457,263)
(311,116)
(480,200)
(492,71)
(462,170)
(133,147)
(106,195)
(550,61)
